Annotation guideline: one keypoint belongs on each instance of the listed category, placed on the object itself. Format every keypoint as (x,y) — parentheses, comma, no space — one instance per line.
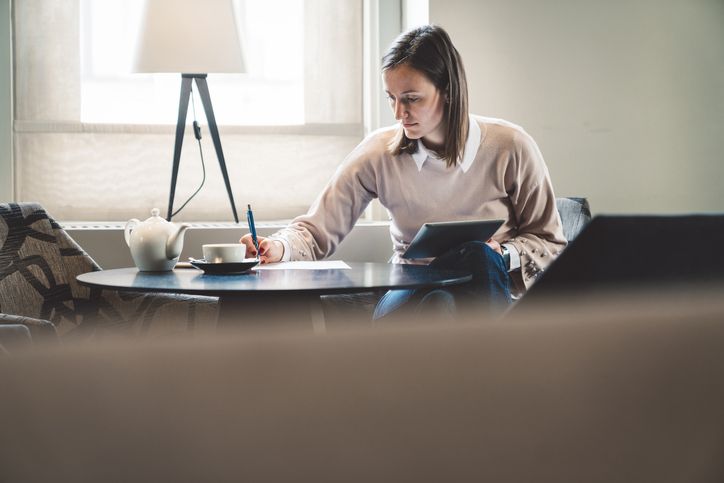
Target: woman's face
(417,104)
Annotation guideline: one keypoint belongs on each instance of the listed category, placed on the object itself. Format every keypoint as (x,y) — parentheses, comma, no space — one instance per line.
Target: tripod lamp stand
(193,38)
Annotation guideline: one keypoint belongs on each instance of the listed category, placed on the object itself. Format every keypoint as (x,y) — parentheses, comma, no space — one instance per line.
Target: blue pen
(252,229)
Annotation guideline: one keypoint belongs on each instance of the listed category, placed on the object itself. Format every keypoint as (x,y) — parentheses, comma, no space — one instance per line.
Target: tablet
(434,239)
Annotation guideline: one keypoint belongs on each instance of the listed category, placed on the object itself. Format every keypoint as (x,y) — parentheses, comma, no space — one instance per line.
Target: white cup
(224,252)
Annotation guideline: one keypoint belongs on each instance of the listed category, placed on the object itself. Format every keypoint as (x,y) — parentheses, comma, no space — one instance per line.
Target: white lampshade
(189,36)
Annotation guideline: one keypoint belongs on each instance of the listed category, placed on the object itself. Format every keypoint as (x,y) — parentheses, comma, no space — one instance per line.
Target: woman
(438,164)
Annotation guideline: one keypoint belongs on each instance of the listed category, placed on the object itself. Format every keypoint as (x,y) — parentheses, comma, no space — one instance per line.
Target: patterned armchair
(38,266)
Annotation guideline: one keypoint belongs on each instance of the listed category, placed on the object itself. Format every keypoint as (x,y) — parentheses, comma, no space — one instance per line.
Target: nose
(399,110)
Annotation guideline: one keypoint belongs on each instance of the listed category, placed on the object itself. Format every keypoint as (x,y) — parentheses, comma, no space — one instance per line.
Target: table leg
(264,312)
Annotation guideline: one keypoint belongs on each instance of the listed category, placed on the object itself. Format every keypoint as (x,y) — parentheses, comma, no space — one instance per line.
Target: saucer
(224,268)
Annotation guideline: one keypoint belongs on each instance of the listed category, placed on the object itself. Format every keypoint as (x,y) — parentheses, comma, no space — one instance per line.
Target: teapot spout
(175,242)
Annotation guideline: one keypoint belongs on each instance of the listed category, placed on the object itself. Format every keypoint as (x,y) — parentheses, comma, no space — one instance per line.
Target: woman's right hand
(270,251)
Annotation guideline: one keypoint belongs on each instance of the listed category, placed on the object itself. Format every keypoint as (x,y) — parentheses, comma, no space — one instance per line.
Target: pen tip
(248,207)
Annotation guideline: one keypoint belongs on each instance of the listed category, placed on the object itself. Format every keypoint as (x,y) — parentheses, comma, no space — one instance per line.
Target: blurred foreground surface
(624,386)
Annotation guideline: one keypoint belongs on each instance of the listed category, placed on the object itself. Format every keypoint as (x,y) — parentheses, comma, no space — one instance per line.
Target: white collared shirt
(472,144)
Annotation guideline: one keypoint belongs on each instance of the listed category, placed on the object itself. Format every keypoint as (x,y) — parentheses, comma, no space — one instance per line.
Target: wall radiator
(104,241)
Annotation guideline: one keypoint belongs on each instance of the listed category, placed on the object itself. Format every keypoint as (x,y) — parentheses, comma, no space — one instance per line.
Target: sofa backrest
(624,251)
(552,399)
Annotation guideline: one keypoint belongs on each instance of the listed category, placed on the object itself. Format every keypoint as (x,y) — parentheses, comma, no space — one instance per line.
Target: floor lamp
(193,38)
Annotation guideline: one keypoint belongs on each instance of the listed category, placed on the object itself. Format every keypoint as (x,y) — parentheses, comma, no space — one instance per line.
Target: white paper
(321,265)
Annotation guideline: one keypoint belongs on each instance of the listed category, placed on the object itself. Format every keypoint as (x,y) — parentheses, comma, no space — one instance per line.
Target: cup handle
(130,225)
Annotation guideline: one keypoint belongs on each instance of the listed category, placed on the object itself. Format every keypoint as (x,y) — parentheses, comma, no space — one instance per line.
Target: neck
(435,140)
(433,145)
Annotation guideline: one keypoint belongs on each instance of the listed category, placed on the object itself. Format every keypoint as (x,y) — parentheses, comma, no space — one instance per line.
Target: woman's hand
(494,245)
(270,251)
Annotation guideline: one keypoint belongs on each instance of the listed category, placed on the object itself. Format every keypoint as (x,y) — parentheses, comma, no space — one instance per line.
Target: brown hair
(429,50)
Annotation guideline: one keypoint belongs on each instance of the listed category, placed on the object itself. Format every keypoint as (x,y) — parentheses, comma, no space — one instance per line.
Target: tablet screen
(434,239)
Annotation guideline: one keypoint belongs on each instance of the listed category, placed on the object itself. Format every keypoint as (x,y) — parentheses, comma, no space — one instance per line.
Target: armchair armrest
(38,329)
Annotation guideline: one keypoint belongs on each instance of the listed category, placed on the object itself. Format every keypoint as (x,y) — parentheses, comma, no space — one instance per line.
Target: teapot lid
(155,218)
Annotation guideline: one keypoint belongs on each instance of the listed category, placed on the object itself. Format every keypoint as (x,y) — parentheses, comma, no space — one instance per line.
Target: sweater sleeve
(539,238)
(332,216)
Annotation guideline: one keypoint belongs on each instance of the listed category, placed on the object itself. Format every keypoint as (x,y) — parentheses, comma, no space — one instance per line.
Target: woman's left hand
(495,246)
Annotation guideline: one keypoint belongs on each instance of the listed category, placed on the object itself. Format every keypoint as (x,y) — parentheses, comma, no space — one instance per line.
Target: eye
(390,98)
(411,100)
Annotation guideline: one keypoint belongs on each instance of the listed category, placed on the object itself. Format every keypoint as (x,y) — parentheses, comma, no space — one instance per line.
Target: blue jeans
(488,291)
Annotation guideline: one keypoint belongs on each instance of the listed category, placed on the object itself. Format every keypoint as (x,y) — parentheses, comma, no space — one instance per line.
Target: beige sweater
(507,179)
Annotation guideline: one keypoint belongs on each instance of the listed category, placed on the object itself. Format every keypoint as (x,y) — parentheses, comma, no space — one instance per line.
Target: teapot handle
(130,225)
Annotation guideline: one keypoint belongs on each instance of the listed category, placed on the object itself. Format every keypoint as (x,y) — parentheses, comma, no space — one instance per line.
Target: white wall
(625,98)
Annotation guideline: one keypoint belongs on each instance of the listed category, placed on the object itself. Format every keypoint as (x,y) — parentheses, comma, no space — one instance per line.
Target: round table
(257,295)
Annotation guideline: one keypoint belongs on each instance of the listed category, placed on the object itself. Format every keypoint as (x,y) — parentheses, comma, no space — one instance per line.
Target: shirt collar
(469,152)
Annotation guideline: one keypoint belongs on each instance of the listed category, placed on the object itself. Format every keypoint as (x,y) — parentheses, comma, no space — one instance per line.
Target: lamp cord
(197,135)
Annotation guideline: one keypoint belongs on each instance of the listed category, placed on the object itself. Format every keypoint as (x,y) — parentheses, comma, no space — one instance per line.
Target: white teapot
(155,243)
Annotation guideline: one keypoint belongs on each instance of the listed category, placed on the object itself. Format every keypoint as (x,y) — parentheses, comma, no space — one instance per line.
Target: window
(270,93)
(95,142)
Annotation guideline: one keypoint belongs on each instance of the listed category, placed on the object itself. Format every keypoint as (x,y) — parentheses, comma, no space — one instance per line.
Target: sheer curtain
(91,171)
